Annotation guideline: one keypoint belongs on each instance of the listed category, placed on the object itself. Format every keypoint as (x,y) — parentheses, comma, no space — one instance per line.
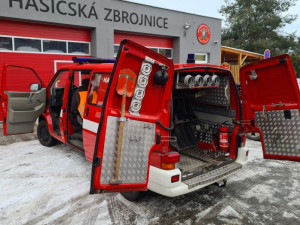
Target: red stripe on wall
(43,64)
(149,41)
(36,30)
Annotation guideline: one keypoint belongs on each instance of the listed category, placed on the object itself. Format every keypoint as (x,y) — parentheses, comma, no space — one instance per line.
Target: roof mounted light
(191,58)
(91,60)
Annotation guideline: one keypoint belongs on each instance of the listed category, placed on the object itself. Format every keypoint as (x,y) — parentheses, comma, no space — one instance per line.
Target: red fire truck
(147,124)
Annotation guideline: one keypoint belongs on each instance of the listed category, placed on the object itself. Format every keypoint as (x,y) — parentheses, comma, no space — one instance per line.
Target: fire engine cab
(146,124)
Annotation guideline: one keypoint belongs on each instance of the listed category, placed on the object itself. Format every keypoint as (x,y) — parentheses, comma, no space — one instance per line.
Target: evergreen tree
(256,25)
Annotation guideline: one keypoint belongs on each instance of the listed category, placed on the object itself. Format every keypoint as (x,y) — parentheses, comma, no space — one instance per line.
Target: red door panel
(270,96)
(148,104)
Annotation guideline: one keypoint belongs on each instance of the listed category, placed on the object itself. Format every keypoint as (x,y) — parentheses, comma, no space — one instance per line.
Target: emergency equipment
(151,125)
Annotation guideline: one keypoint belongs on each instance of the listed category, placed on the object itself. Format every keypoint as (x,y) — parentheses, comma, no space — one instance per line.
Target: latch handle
(279,104)
(264,112)
(253,75)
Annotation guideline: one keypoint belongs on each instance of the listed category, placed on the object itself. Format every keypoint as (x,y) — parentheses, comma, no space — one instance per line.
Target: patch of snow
(228,211)
(295,193)
(289,215)
(41,185)
(261,193)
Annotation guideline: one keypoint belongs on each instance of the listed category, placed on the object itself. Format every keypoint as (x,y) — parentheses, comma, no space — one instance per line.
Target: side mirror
(34,87)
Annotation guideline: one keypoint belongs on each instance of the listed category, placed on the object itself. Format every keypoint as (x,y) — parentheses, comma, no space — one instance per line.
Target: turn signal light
(168,161)
(168,166)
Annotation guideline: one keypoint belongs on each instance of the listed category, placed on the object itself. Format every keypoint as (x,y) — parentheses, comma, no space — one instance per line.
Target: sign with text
(89,10)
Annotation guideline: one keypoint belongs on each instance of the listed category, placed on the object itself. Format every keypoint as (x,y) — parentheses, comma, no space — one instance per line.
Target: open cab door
(138,97)
(23,99)
(270,98)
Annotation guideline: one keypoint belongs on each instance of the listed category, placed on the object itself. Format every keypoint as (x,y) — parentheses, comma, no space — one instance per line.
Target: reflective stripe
(90,125)
(81,109)
(81,105)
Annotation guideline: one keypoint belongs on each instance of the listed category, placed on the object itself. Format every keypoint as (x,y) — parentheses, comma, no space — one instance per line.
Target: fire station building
(46,34)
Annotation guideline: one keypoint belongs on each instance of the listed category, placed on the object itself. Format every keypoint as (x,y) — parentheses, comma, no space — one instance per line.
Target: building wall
(105,17)
(45,64)
(100,22)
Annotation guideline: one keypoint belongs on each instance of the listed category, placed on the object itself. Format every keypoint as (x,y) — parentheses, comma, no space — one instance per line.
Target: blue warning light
(91,60)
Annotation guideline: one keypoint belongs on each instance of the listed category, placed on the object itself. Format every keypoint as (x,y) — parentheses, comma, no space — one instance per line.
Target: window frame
(42,49)
(12,43)
(32,39)
(200,54)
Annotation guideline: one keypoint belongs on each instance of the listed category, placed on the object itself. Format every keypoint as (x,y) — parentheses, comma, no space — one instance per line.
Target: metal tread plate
(217,96)
(188,163)
(213,175)
(138,137)
(205,155)
(280,133)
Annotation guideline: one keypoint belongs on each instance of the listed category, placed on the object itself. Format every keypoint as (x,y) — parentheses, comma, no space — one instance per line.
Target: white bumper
(160,180)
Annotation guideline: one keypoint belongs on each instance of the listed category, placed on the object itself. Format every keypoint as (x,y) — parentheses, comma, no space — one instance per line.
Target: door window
(61,79)
(99,85)
(15,79)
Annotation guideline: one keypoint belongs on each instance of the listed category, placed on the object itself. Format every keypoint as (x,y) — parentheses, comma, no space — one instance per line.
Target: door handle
(31,95)
(39,100)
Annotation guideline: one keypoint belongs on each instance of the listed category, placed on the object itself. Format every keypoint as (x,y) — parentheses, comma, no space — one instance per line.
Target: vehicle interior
(76,103)
(198,112)
(78,83)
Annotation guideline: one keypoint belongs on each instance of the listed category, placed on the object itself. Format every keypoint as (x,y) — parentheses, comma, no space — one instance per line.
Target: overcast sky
(210,8)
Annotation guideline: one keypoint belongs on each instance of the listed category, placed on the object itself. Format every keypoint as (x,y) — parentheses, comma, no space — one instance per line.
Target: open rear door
(271,99)
(23,99)
(141,82)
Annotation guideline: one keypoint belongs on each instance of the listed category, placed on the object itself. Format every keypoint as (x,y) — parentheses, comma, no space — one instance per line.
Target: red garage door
(45,48)
(162,45)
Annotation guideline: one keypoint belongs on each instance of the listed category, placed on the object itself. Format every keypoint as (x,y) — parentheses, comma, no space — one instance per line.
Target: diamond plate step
(214,175)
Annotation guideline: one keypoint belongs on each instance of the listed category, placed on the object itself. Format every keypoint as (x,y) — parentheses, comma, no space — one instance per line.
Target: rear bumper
(160,180)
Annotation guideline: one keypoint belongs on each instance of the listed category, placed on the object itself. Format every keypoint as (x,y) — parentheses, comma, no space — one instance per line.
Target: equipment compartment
(197,116)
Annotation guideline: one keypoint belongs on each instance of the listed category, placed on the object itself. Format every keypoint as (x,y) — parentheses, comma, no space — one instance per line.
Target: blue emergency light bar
(191,58)
(91,60)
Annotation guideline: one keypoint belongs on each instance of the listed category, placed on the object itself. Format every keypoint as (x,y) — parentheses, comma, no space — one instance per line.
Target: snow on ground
(41,185)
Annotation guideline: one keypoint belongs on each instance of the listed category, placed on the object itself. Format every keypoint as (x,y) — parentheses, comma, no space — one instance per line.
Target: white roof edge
(242,50)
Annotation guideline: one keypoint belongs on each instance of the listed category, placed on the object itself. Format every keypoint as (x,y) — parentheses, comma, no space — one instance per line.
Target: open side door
(23,99)
(271,99)
(141,82)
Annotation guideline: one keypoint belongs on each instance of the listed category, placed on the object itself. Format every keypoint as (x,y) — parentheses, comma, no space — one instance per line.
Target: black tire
(253,136)
(133,195)
(44,135)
